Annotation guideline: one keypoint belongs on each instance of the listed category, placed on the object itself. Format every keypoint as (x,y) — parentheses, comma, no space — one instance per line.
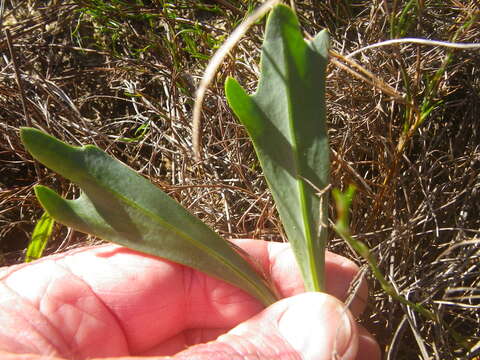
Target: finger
(312,326)
(227,347)
(66,304)
(47,310)
(278,261)
(368,348)
(10,356)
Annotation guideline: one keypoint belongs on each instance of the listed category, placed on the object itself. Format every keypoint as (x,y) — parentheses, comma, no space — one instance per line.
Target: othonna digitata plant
(285,119)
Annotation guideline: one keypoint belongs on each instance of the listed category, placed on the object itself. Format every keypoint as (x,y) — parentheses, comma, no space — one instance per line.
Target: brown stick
(28,120)
(212,68)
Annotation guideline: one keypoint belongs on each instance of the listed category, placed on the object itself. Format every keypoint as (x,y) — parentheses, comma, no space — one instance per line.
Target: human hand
(109,301)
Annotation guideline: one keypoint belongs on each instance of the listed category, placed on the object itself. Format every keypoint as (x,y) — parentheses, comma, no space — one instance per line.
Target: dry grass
(99,75)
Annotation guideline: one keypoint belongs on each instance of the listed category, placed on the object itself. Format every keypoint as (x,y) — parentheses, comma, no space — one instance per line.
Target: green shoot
(40,236)
(343,202)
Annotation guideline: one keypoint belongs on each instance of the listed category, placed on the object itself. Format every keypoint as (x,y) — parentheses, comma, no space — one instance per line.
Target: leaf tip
(233,92)
(321,43)
(40,190)
(230,83)
(28,135)
(46,197)
(282,8)
(60,157)
(37,142)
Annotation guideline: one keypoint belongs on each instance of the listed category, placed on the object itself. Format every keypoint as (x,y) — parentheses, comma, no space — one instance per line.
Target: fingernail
(318,326)
(343,340)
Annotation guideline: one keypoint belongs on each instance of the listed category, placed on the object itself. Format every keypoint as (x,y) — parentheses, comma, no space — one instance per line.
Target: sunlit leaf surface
(121,206)
(285,119)
(40,236)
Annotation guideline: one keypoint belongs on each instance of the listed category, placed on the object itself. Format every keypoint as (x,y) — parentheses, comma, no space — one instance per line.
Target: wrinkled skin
(111,302)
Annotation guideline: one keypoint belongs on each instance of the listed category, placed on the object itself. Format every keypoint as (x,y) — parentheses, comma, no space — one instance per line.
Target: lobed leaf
(285,118)
(121,206)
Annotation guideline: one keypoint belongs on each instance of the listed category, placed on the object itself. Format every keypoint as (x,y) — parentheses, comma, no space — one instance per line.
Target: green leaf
(121,206)
(40,236)
(285,119)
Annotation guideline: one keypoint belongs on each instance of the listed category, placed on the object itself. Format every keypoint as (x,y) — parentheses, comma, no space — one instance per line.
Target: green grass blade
(121,206)
(343,202)
(285,119)
(40,236)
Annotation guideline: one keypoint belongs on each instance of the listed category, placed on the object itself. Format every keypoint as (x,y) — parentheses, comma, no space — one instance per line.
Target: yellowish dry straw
(416,41)
(213,66)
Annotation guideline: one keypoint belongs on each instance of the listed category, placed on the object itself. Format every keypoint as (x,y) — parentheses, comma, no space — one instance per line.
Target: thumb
(310,326)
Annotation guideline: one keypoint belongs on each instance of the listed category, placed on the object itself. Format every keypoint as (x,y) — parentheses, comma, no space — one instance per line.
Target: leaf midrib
(183,235)
(301,185)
